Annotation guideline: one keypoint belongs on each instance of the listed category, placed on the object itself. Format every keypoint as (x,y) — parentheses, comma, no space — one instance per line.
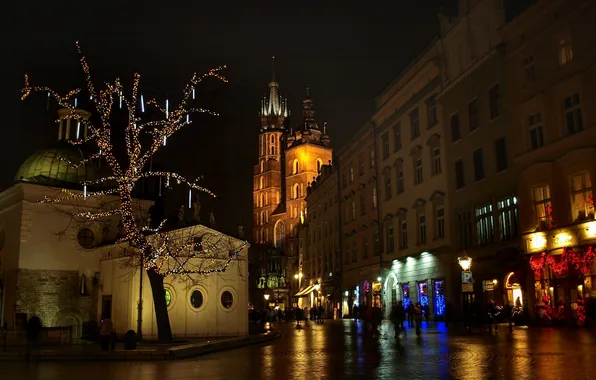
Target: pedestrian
(395,319)
(426,310)
(33,331)
(418,317)
(376,319)
(411,312)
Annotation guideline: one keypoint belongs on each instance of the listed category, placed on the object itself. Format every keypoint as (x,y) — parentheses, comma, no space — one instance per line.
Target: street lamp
(266,296)
(465,263)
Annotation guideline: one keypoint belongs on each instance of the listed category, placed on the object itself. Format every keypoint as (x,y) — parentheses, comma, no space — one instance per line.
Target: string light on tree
(124,176)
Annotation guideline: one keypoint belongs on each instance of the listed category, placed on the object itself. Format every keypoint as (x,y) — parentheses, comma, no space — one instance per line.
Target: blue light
(439,297)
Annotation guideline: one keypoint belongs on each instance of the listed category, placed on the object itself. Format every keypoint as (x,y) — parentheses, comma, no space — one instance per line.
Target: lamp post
(266,297)
(467,285)
(317,287)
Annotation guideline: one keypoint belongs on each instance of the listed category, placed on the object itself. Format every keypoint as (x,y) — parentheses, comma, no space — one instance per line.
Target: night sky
(345,55)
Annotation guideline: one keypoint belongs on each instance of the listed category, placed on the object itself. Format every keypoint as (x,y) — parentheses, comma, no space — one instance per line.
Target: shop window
(440,306)
(423,293)
(405,291)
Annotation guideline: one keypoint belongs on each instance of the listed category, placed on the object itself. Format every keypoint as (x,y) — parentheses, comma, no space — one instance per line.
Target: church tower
(268,174)
(307,150)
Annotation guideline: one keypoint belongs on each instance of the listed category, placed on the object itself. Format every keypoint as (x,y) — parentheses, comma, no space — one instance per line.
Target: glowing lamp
(465,262)
(266,296)
(379,279)
(296,276)
(538,242)
(346,293)
(317,286)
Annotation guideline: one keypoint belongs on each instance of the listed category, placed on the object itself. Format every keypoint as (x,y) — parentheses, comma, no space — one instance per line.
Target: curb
(174,353)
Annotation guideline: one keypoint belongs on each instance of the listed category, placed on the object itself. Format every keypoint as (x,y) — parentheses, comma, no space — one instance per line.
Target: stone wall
(54,296)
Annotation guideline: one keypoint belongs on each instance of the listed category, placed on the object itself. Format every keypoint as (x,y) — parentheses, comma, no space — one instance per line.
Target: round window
(196,299)
(86,238)
(227,299)
(168,295)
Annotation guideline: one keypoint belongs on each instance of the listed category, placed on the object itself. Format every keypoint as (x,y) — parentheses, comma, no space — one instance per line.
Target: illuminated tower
(268,176)
(307,149)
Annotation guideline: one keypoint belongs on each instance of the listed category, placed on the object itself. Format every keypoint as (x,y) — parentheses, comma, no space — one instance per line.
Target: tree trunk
(164,331)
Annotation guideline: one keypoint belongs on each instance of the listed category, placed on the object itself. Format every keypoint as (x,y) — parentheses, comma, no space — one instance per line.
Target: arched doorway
(70,318)
(280,235)
(515,294)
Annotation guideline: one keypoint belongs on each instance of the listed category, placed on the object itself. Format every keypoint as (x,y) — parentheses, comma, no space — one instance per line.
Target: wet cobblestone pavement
(338,350)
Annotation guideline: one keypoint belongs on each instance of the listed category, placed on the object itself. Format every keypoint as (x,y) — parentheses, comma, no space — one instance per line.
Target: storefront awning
(306,291)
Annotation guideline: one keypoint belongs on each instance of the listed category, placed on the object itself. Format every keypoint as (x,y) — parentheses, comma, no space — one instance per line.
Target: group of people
(316,314)
(414,314)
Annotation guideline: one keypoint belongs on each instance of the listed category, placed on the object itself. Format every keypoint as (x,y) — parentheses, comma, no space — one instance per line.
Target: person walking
(394,318)
(418,317)
(32,330)
(411,311)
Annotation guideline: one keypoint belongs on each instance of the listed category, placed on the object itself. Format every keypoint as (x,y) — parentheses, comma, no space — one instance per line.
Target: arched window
(296,191)
(262,199)
(319,165)
(262,166)
(296,167)
(280,234)
(262,217)
(261,182)
(272,139)
(272,150)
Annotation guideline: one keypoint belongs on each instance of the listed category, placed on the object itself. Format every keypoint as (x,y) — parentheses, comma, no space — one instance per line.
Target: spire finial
(273,69)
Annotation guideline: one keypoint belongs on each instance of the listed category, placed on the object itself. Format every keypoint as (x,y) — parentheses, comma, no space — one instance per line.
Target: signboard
(467,288)
(466,278)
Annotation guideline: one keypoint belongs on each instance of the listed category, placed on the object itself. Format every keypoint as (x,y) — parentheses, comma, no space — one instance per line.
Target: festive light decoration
(582,262)
(158,249)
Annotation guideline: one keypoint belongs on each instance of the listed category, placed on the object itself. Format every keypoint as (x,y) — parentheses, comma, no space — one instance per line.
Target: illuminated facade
(289,159)
(552,82)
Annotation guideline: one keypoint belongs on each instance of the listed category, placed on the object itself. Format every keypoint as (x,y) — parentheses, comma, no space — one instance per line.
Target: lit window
(296,167)
(581,197)
(507,209)
(565,51)
(484,224)
(542,205)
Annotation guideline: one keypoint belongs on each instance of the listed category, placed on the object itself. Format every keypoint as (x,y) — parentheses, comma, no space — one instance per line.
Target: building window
(86,238)
(400,179)
(460,181)
(431,107)
(365,247)
(455,132)
(536,129)
(542,205)
(353,210)
(374,197)
(388,185)
(296,191)
(390,239)
(372,158)
(415,124)
(565,51)
(361,166)
(418,171)
(484,224)
(582,204)
(197,299)
(473,114)
(362,204)
(296,167)
(385,145)
(397,137)
(501,154)
(507,209)
(403,237)
(494,101)
(227,299)
(465,229)
(351,175)
(169,297)
(529,68)
(261,182)
(478,164)
(436,159)
(573,114)
(377,241)
(354,252)
(440,232)
(421,229)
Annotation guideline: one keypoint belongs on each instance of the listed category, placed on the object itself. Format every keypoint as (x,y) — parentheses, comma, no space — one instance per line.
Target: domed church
(72,274)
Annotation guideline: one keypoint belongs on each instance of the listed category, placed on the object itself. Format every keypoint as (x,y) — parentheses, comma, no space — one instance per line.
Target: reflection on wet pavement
(340,350)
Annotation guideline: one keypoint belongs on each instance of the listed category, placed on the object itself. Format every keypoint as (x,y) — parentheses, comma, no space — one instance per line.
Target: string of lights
(124,176)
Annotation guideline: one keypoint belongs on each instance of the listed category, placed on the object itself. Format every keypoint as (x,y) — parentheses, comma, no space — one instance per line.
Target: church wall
(210,319)
(55,296)
(10,223)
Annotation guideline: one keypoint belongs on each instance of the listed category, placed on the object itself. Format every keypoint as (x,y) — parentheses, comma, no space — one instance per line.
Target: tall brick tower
(268,173)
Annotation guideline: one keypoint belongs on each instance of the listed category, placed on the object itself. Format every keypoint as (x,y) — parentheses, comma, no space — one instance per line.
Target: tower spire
(273,69)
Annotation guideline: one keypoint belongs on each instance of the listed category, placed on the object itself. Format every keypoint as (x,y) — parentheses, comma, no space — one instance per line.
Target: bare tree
(160,253)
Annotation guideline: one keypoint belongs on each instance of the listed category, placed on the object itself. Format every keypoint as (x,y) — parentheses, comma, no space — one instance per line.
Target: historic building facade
(360,241)
(479,151)
(412,186)
(319,245)
(551,85)
(289,158)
